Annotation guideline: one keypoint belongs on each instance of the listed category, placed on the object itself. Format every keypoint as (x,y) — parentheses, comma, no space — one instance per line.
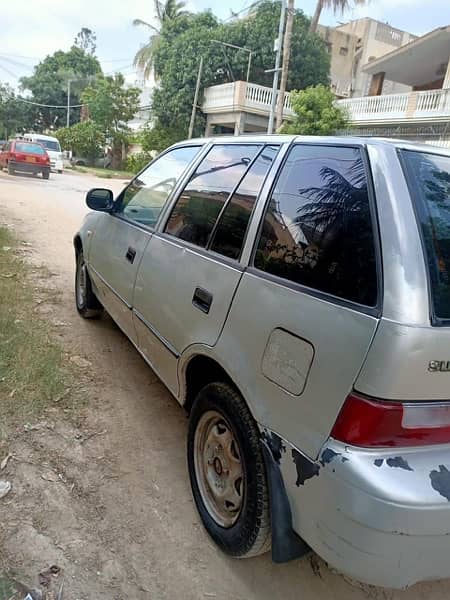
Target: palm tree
(165,12)
(336,5)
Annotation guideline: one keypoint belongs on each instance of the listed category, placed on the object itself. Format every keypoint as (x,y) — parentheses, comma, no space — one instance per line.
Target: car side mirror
(100,199)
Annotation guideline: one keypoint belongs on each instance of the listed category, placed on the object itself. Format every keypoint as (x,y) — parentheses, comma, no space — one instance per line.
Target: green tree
(85,139)
(48,84)
(337,5)
(111,105)
(86,40)
(170,10)
(316,112)
(190,36)
(16,116)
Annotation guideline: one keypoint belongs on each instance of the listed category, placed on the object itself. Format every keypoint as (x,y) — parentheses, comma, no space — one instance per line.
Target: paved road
(146,542)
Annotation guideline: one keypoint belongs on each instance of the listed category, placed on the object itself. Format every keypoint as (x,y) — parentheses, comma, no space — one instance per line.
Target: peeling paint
(378,462)
(275,444)
(327,456)
(305,468)
(398,462)
(440,481)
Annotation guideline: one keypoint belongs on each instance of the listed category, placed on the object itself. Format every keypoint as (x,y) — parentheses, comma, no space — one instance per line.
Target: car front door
(120,238)
(191,268)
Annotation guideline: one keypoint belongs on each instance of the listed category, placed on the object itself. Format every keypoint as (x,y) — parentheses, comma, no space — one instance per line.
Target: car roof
(41,136)
(339,140)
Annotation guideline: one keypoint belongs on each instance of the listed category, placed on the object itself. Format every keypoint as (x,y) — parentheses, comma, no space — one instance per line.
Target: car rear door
(191,268)
(308,306)
(120,238)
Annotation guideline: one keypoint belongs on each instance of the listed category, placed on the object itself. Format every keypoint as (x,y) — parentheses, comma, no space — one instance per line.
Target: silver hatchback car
(294,296)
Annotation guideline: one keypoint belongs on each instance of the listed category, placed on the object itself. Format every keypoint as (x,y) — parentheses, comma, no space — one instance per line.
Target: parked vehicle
(26,157)
(294,296)
(51,144)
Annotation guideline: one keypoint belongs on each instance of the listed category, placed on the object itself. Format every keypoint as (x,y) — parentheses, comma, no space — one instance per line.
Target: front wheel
(60,171)
(227,472)
(87,303)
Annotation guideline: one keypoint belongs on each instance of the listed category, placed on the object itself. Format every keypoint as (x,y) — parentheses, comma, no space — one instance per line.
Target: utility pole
(68,103)
(276,71)
(194,106)
(286,59)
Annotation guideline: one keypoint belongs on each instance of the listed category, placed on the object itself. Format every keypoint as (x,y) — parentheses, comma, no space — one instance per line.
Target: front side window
(200,203)
(145,197)
(428,177)
(317,231)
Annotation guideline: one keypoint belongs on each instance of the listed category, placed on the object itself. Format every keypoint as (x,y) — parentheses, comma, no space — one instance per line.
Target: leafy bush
(137,161)
(316,112)
(85,139)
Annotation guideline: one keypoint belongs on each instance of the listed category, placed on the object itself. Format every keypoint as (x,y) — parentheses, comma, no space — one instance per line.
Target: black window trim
(230,198)
(186,173)
(377,309)
(435,321)
(180,191)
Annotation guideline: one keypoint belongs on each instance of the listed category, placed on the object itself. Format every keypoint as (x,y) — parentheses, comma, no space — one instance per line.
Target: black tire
(250,534)
(60,171)
(11,170)
(46,174)
(88,306)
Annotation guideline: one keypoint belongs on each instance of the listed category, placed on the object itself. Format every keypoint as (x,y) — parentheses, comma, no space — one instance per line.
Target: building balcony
(415,107)
(241,107)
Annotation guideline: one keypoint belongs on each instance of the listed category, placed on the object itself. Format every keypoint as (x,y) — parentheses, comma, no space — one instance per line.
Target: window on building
(317,231)
(201,201)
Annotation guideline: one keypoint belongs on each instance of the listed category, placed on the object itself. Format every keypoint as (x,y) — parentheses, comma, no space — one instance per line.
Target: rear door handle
(130,255)
(202,299)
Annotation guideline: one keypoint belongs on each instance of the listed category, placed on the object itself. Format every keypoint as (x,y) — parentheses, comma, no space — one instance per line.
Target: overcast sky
(28,34)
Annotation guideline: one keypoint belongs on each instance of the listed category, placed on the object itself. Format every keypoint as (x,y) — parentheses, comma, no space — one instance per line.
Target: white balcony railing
(239,95)
(391,108)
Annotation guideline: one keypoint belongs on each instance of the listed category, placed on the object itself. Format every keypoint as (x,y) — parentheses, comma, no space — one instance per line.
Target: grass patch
(104,173)
(32,372)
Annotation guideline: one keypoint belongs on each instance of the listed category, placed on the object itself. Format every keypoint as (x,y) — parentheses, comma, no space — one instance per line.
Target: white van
(51,144)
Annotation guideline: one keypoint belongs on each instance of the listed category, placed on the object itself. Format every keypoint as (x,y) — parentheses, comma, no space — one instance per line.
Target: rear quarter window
(428,177)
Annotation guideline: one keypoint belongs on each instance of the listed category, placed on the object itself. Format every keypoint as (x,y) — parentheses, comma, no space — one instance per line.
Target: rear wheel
(46,174)
(60,171)
(227,472)
(11,170)
(87,303)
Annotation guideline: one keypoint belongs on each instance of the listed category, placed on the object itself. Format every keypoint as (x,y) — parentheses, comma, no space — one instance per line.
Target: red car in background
(28,157)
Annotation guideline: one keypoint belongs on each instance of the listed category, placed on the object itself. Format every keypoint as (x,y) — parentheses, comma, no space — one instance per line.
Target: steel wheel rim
(81,284)
(218,468)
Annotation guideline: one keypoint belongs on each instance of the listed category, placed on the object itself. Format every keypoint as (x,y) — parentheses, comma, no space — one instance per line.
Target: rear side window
(29,148)
(317,231)
(229,236)
(428,178)
(196,211)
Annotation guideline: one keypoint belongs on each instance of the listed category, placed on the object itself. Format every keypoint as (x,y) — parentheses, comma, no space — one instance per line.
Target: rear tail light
(368,422)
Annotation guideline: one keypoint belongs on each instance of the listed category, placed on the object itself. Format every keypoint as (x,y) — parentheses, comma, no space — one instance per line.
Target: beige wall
(370,39)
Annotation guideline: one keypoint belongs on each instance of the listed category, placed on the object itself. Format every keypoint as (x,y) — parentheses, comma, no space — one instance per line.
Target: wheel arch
(77,244)
(199,369)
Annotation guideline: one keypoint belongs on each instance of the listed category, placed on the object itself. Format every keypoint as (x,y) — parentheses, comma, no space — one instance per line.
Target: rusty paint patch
(306,469)
(328,455)
(440,481)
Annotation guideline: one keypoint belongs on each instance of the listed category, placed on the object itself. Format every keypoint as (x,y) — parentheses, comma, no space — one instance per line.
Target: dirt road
(121,521)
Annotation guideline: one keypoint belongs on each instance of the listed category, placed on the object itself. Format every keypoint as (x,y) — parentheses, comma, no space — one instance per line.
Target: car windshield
(29,148)
(429,182)
(50,144)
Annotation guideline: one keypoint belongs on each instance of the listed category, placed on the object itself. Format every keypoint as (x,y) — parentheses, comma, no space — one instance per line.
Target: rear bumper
(28,167)
(382,517)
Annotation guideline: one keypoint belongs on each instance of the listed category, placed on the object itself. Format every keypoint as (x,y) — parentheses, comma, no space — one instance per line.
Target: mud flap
(286,544)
